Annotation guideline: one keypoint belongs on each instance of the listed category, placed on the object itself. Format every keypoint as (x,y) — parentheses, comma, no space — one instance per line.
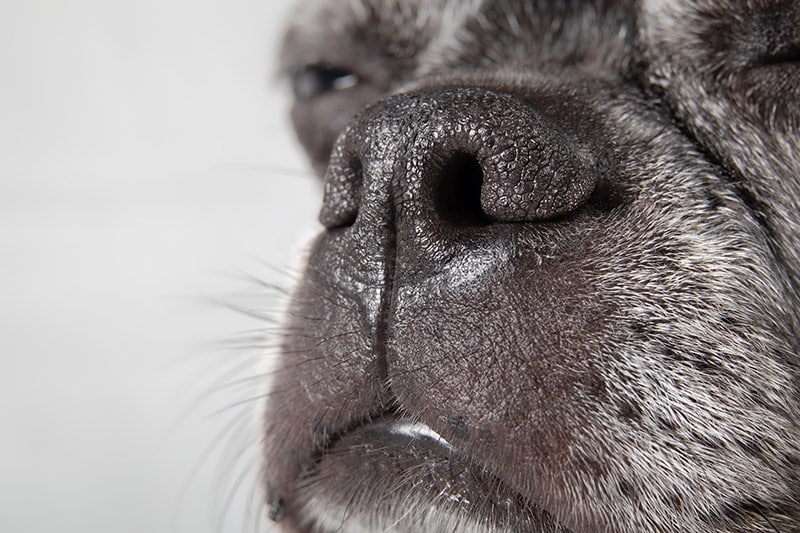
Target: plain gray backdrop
(146,171)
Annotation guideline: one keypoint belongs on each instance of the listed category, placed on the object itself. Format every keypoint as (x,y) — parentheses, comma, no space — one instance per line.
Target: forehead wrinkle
(454,15)
(526,35)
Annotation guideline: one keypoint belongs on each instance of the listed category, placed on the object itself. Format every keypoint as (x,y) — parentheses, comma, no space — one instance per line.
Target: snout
(426,192)
(438,204)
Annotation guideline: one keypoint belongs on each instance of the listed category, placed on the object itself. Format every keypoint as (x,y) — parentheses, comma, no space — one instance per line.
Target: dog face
(557,285)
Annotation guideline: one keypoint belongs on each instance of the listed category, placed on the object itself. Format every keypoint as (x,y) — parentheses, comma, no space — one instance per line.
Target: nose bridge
(417,157)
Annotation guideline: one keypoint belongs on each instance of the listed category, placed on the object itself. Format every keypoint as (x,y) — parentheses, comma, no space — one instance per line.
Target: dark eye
(788,53)
(312,80)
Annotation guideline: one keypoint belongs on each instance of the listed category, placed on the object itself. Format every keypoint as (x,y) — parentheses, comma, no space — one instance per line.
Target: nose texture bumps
(456,155)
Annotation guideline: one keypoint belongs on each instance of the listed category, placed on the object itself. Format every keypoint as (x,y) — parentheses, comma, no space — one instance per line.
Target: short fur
(557,287)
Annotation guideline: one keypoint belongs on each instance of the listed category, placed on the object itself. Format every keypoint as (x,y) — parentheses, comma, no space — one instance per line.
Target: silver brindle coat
(557,286)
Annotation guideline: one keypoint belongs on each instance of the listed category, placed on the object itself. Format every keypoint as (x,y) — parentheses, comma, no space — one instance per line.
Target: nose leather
(458,156)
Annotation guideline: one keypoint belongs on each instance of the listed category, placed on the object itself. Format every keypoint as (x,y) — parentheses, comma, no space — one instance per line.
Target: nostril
(343,182)
(458,197)
(606,196)
(467,157)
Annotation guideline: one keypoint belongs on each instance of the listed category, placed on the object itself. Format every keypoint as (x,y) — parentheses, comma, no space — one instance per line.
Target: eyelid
(317,78)
(787,53)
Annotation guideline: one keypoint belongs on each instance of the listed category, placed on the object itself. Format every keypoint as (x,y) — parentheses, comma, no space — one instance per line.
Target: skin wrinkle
(604,325)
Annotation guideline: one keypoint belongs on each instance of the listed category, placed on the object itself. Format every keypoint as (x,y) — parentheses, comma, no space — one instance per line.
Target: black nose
(459,155)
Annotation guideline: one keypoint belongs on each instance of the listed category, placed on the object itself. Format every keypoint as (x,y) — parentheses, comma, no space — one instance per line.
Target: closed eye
(316,79)
(788,53)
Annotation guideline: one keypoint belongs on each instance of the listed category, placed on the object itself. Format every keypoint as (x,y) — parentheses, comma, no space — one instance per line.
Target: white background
(146,169)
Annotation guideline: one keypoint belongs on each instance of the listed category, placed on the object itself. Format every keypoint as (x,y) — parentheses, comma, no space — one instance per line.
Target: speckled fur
(630,367)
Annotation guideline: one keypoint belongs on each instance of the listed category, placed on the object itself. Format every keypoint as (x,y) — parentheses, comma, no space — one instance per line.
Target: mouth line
(370,469)
(414,430)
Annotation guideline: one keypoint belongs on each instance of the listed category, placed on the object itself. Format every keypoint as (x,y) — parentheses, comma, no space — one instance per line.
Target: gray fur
(599,335)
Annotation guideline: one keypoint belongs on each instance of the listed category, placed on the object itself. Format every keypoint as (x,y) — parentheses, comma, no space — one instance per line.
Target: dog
(558,280)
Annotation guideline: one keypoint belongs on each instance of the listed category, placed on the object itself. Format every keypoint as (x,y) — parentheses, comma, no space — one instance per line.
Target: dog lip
(390,433)
(408,429)
(405,474)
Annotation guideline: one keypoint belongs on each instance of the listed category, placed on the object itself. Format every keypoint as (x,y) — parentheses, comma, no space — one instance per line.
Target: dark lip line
(392,415)
(388,413)
(276,510)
